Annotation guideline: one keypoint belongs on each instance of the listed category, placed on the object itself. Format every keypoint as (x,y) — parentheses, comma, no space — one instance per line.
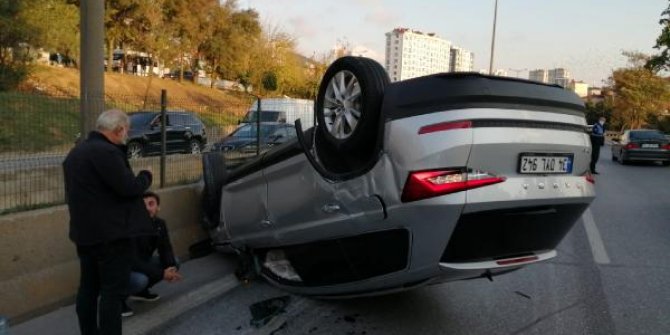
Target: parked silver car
(439,178)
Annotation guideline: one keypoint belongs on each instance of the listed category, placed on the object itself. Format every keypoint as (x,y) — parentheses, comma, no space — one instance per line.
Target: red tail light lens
(666,147)
(445,126)
(428,184)
(589,177)
(632,146)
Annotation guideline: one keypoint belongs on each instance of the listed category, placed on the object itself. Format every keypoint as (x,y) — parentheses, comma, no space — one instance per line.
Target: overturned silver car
(439,178)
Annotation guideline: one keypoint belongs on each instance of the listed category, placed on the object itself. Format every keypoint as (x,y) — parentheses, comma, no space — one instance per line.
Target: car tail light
(666,147)
(445,126)
(428,184)
(632,146)
(517,260)
(589,177)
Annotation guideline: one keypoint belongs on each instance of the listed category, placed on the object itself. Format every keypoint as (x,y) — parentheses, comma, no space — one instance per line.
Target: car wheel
(194,147)
(214,175)
(135,150)
(348,104)
(665,163)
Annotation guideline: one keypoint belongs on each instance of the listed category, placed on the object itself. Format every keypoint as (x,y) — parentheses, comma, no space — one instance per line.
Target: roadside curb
(165,313)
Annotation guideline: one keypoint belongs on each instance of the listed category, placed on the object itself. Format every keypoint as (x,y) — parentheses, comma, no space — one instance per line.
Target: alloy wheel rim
(134,150)
(342,105)
(195,148)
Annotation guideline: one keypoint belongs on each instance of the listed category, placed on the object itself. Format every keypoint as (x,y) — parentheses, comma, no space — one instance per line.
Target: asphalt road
(611,276)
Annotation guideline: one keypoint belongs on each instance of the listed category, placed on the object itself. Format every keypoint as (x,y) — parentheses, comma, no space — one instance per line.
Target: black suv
(184,133)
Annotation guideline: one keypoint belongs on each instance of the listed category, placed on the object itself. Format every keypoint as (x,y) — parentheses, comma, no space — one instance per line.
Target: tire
(665,163)
(348,104)
(135,150)
(194,147)
(214,176)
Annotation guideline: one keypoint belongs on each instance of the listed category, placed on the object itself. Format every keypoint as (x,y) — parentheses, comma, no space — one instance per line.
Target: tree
(16,38)
(57,22)
(639,93)
(192,22)
(662,61)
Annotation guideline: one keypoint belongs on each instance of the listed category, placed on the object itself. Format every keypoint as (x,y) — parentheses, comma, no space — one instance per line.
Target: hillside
(56,81)
(44,114)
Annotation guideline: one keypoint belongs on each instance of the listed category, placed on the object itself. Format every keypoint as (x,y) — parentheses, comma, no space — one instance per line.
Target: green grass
(39,123)
(33,123)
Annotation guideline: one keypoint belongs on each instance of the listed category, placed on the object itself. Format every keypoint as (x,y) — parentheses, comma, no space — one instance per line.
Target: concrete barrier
(39,268)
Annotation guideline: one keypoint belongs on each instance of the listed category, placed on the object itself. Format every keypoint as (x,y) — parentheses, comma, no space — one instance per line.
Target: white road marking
(595,241)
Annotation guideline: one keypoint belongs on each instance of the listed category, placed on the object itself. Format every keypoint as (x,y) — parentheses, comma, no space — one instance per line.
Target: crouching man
(147,268)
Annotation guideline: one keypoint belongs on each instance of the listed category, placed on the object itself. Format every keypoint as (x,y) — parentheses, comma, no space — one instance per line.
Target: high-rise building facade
(411,53)
(538,75)
(559,76)
(461,60)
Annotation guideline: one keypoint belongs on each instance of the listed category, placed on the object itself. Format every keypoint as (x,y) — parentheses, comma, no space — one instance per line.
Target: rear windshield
(646,135)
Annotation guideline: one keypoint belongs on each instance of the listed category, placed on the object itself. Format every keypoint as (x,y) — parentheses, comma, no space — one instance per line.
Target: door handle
(330,208)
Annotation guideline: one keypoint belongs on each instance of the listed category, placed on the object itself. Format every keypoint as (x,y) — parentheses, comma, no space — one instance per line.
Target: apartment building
(538,75)
(461,60)
(411,53)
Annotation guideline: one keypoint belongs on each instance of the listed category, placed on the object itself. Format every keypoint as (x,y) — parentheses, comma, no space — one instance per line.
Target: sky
(584,36)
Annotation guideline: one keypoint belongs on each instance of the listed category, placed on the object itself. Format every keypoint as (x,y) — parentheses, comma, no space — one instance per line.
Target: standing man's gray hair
(111,120)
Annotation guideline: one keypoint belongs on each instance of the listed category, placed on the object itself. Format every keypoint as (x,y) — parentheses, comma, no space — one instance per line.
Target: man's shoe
(145,295)
(126,311)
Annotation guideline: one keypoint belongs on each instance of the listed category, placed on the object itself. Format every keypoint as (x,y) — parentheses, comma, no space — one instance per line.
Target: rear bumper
(504,233)
(645,155)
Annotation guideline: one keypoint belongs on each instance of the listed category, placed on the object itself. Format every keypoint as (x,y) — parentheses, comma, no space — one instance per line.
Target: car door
(176,133)
(304,207)
(153,135)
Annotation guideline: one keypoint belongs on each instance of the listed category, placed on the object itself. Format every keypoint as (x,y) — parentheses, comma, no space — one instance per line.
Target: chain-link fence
(37,132)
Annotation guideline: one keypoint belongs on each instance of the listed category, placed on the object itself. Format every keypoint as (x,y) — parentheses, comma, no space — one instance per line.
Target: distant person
(597,140)
(148,268)
(104,199)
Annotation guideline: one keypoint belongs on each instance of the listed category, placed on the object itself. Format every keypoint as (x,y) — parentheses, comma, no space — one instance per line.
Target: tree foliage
(661,61)
(16,37)
(211,35)
(57,24)
(639,94)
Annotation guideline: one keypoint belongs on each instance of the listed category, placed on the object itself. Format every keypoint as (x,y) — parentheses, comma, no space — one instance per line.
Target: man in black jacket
(104,199)
(147,270)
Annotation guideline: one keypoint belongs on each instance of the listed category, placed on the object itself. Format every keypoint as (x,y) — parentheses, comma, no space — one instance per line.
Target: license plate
(545,163)
(649,146)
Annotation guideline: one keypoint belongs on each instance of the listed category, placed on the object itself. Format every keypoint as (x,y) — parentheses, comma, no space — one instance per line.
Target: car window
(646,135)
(178,119)
(249,130)
(157,120)
(266,116)
(140,120)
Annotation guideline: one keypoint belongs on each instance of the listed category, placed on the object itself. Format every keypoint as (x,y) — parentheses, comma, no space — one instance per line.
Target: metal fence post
(258,126)
(163,134)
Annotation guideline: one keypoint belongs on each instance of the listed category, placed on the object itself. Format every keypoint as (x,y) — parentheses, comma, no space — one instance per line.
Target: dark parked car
(440,178)
(241,144)
(185,133)
(641,145)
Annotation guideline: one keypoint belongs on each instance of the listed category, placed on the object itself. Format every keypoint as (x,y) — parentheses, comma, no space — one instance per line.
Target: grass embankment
(44,115)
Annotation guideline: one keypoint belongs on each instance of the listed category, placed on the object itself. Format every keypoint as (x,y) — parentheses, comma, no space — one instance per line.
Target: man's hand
(171,275)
